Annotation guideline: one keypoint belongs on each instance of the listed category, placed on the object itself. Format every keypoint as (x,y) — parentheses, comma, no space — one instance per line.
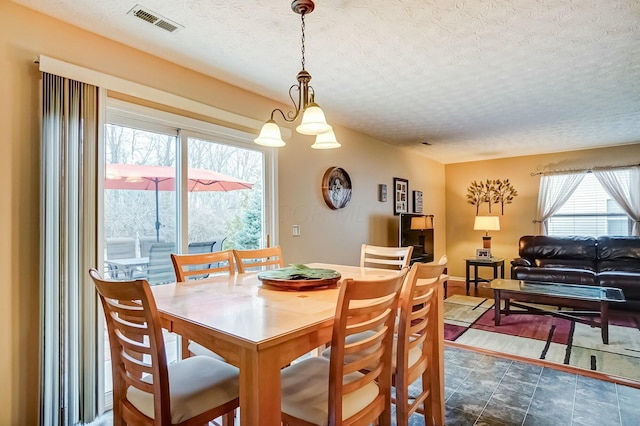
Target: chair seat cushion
(196,384)
(305,392)
(199,350)
(414,354)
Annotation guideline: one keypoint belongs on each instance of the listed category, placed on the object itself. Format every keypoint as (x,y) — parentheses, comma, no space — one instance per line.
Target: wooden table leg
(604,321)
(468,277)
(496,315)
(259,388)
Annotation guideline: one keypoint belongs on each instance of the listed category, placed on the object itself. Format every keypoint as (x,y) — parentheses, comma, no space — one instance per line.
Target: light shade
(487,223)
(270,135)
(422,222)
(326,140)
(313,121)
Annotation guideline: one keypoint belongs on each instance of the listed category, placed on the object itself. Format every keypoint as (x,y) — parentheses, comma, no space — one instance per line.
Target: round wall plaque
(336,188)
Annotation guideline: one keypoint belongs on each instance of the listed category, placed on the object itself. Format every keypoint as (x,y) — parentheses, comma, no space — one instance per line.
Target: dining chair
(259,259)
(198,266)
(445,277)
(385,257)
(417,344)
(334,391)
(147,391)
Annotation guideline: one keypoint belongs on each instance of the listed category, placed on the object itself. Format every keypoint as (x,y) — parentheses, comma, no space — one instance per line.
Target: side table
(493,262)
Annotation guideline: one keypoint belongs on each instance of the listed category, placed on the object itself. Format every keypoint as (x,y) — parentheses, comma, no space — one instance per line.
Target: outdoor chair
(119,248)
(320,391)
(217,243)
(259,259)
(145,243)
(198,247)
(385,257)
(160,268)
(147,391)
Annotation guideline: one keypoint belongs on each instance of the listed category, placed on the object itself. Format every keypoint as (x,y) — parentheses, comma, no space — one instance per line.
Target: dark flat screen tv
(413,237)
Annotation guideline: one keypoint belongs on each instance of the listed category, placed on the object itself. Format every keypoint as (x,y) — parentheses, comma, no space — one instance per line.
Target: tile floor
(484,390)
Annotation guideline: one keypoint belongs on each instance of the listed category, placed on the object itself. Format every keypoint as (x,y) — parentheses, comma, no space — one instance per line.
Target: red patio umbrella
(163,178)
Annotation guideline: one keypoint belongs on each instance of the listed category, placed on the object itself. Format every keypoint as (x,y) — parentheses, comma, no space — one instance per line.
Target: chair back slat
(258,259)
(198,266)
(385,257)
(363,306)
(137,346)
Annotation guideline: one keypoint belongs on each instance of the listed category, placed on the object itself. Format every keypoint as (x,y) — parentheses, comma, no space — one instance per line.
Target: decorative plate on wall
(336,188)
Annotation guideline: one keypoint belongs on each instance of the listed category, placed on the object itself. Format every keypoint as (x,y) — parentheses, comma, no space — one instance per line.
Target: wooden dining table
(260,329)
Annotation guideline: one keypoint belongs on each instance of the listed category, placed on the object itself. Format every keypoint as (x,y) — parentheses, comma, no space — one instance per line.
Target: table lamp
(420,223)
(486,223)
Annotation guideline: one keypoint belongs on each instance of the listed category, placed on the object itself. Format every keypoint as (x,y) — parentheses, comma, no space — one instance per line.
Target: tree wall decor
(491,191)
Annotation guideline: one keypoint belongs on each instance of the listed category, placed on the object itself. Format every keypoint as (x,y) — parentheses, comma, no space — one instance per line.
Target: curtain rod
(552,172)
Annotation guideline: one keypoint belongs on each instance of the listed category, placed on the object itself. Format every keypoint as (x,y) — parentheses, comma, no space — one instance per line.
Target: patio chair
(160,268)
(199,247)
(145,243)
(119,248)
(146,390)
(217,243)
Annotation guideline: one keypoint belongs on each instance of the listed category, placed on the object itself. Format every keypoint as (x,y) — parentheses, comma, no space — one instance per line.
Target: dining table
(261,329)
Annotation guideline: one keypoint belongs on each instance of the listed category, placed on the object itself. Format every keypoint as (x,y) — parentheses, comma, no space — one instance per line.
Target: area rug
(469,321)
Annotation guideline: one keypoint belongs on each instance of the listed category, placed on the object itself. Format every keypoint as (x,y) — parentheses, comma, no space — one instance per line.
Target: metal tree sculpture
(491,191)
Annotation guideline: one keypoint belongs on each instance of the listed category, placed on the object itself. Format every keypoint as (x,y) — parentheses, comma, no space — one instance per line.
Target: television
(413,237)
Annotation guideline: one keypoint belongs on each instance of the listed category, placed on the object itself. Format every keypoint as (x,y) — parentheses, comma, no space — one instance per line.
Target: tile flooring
(485,390)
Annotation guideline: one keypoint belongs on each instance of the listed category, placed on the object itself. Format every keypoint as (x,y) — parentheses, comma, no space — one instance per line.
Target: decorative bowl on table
(299,277)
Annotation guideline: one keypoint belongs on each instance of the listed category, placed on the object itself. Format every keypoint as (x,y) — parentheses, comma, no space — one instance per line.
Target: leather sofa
(604,261)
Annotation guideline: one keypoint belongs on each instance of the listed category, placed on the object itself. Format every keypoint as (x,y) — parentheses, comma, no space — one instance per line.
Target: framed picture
(400,196)
(417,201)
(483,254)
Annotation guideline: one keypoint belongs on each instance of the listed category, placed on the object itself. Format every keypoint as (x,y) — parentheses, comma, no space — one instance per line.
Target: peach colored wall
(330,236)
(462,240)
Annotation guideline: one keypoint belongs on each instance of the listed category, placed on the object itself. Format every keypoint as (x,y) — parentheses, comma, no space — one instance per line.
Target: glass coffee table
(595,301)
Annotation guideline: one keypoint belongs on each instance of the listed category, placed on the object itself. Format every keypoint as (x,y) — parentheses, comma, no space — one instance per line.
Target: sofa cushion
(554,275)
(628,282)
(567,263)
(545,247)
(619,254)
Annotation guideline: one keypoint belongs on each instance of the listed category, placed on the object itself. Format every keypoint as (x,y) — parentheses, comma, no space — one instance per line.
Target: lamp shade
(313,121)
(270,135)
(487,223)
(422,222)
(326,140)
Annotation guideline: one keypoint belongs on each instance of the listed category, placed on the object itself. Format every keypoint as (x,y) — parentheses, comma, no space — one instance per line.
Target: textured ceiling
(476,79)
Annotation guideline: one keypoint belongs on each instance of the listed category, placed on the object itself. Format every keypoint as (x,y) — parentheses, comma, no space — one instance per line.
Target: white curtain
(555,190)
(623,185)
(69,129)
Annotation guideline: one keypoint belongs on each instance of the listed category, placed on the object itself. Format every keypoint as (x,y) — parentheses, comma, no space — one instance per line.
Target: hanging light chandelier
(313,119)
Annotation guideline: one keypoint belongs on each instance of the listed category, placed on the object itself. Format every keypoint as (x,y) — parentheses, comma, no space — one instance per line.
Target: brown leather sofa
(603,261)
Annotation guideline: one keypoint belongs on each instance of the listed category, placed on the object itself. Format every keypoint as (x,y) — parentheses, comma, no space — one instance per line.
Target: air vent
(154,19)
(425,143)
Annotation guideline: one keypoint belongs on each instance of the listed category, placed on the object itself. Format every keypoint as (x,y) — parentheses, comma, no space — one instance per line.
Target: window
(591,211)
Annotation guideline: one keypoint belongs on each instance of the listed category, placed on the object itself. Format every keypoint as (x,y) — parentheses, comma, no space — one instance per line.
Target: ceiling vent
(154,19)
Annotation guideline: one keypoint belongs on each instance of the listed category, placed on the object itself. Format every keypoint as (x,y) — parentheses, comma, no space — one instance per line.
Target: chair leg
(229,418)
(184,348)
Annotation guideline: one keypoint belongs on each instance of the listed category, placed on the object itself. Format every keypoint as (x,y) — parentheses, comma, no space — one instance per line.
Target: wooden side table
(493,262)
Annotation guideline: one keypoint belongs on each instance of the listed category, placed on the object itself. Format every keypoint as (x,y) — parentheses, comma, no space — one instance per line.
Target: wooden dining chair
(444,278)
(320,391)
(198,266)
(147,391)
(259,259)
(417,351)
(385,257)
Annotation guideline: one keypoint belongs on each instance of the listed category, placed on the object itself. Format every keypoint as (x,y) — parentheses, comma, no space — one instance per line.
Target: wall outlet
(295,230)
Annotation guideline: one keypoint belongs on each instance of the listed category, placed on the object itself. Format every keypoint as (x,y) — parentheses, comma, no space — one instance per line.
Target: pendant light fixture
(313,120)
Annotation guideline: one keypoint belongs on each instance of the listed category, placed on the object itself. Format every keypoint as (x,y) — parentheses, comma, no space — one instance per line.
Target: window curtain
(625,192)
(69,128)
(554,191)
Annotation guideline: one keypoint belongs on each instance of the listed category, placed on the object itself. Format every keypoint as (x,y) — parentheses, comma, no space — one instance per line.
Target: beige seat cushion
(198,349)
(414,354)
(305,392)
(196,385)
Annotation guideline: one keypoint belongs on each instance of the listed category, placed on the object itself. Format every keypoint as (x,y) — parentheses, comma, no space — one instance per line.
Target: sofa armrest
(521,261)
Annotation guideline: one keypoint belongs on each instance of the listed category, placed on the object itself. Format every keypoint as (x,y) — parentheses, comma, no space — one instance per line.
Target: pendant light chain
(302,50)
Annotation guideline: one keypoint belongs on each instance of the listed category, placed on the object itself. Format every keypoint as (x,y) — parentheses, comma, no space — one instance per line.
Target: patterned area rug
(469,321)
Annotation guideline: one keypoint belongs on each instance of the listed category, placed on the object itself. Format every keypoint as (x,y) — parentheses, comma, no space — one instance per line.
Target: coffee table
(595,299)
